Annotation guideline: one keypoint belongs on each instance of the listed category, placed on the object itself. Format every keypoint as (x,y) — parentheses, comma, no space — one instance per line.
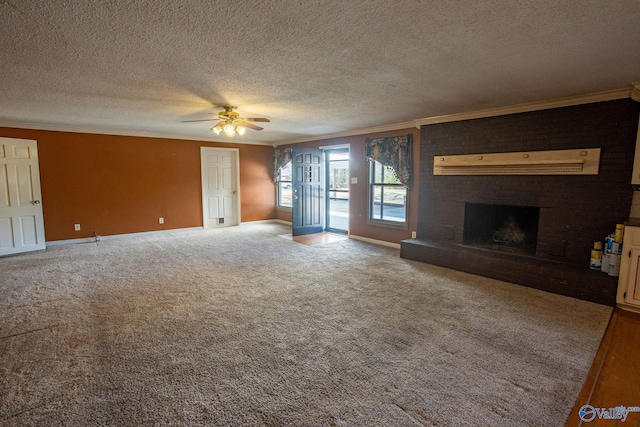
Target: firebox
(501,227)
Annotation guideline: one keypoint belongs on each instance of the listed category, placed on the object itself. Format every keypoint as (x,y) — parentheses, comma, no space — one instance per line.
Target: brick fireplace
(532,230)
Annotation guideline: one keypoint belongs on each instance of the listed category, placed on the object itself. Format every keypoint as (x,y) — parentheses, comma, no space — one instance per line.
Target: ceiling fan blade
(257,119)
(203,120)
(245,124)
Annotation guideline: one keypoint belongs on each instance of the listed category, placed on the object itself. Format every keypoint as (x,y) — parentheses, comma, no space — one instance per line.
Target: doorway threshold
(316,238)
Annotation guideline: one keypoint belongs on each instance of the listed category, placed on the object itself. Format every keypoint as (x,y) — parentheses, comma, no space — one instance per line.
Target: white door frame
(236,156)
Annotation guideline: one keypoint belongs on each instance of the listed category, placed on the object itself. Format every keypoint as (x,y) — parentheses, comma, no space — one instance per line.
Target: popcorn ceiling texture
(240,327)
(312,67)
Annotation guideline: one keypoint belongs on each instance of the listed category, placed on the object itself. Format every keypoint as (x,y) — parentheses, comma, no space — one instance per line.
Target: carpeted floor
(240,327)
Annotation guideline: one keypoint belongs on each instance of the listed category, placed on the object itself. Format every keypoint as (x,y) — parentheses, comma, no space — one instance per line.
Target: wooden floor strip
(594,372)
(614,377)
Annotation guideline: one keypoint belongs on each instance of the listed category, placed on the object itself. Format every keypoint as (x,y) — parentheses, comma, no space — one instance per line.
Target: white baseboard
(375,241)
(268,221)
(123,236)
(192,229)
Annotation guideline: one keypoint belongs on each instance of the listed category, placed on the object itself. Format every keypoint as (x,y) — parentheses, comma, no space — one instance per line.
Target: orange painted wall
(359,168)
(123,184)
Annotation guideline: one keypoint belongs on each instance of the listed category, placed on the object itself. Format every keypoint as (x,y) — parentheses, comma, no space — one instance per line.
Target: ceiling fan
(230,122)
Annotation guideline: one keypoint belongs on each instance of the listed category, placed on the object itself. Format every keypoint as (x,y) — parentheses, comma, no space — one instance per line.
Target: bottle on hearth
(596,256)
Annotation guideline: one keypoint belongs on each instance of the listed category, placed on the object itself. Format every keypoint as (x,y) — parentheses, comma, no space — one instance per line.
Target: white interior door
(21,218)
(220,189)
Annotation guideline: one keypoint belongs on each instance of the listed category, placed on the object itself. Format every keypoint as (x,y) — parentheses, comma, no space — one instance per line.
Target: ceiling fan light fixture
(231,123)
(229,129)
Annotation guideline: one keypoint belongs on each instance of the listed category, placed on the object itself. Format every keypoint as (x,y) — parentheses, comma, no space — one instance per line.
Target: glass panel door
(337,164)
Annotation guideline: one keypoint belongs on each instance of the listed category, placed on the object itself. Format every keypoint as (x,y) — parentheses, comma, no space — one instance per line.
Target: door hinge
(629,254)
(624,296)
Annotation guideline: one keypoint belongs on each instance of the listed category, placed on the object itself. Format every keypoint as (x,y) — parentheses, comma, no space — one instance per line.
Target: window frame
(372,185)
(280,181)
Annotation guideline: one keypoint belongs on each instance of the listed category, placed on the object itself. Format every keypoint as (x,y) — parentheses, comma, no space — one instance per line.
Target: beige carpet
(239,327)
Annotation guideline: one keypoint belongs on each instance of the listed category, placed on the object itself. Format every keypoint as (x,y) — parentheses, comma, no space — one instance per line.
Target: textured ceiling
(313,67)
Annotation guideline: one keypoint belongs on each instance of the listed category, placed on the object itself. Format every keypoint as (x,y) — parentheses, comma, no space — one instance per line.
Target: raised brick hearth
(574,211)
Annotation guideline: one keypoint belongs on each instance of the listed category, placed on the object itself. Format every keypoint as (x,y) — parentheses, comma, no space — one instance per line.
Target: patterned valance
(394,152)
(281,156)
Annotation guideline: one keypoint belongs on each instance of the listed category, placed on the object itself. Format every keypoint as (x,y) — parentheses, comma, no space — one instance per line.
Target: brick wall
(575,210)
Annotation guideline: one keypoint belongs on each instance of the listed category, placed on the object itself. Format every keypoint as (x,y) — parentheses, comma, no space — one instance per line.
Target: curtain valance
(394,152)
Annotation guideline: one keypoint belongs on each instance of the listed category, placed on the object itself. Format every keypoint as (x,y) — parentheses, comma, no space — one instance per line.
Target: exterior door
(220,189)
(21,218)
(308,191)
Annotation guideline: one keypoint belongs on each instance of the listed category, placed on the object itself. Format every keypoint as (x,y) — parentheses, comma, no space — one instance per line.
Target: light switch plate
(354,180)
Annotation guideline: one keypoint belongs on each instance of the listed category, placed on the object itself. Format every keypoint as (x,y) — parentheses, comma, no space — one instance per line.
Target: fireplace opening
(501,227)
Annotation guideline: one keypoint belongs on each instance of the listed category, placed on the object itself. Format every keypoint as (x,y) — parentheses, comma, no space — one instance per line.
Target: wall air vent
(554,162)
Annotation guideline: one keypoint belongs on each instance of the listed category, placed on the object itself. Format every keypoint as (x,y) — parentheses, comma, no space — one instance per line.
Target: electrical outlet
(161,220)
(76,227)
(413,234)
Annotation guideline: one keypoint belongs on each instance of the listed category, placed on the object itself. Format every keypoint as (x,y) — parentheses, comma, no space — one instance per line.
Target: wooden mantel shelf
(554,162)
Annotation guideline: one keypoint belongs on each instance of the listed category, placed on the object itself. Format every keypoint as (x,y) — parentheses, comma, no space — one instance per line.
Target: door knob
(234,192)
(36,202)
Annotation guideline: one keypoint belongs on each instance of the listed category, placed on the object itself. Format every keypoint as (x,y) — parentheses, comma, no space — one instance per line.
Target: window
(387,196)
(285,192)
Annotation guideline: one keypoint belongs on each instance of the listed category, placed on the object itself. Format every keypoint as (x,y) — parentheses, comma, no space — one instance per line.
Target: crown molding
(630,92)
(633,92)
(116,132)
(609,95)
(354,132)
